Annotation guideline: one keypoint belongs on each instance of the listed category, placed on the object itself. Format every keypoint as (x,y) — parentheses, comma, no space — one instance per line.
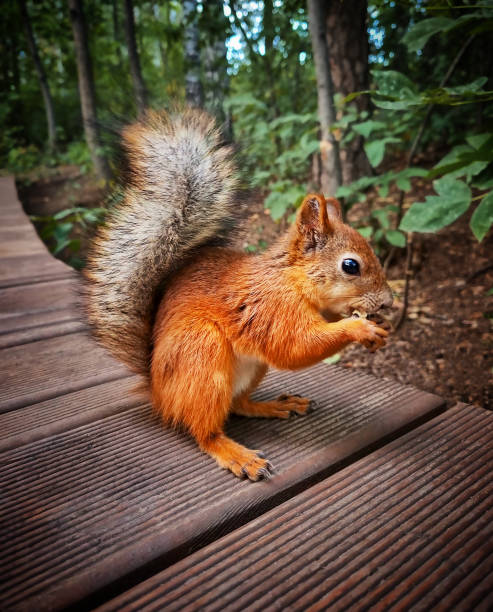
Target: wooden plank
(8,193)
(47,296)
(12,246)
(41,310)
(62,327)
(26,269)
(44,299)
(66,412)
(410,527)
(23,256)
(88,508)
(17,234)
(39,371)
(20,239)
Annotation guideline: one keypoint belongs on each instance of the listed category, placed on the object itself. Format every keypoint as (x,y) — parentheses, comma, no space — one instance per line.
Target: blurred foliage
(271,101)
(58,230)
(401,106)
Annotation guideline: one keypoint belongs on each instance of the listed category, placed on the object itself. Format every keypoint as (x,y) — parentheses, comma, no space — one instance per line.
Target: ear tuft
(312,223)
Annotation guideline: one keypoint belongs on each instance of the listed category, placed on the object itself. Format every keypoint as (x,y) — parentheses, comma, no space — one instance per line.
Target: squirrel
(202,322)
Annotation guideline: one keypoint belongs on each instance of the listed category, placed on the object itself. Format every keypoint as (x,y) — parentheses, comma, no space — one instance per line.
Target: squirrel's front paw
(368,333)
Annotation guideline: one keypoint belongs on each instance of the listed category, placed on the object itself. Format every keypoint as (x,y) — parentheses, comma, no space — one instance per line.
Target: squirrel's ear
(334,208)
(313,223)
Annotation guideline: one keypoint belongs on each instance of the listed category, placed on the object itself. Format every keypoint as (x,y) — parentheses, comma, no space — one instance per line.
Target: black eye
(350,266)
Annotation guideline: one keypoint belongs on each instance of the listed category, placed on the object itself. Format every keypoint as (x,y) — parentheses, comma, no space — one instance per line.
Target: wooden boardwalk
(383,499)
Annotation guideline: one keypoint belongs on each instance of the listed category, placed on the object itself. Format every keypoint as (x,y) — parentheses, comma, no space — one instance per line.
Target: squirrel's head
(335,264)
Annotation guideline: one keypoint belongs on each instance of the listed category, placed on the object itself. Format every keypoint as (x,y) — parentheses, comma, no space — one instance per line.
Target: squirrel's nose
(388,299)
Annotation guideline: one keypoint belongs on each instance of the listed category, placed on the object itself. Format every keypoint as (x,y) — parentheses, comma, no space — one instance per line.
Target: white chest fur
(245,371)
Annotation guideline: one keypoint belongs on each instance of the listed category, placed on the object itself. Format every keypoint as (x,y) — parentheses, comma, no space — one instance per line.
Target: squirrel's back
(181,191)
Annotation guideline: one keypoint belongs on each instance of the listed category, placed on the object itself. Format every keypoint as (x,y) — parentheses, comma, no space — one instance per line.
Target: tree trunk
(162,51)
(116,32)
(268,32)
(133,56)
(86,88)
(43,82)
(193,86)
(347,40)
(216,28)
(330,174)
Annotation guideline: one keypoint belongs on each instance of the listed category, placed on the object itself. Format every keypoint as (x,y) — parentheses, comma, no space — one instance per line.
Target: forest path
(103,506)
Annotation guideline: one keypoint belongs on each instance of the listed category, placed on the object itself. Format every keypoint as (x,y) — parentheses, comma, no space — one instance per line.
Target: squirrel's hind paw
(240,460)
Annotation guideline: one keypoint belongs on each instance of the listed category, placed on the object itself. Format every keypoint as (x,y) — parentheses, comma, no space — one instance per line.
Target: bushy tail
(181,191)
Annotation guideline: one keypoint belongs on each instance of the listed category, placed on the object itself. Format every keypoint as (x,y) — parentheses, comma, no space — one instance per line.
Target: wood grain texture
(66,412)
(45,369)
(88,507)
(42,310)
(410,527)
(23,256)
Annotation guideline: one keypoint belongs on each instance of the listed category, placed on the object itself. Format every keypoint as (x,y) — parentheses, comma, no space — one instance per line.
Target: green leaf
(394,90)
(419,34)
(367,127)
(396,238)
(366,232)
(344,191)
(405,104)
(284,196)
(393,83)
(277,204)
(375,150)
(378,235)
(64,213)
(463,160)
(383,190)
(402,178)
(483,184)
(472,87)
(382,217)
(478,140)
(332,359)
(435,212)
(62,230)
(482,217)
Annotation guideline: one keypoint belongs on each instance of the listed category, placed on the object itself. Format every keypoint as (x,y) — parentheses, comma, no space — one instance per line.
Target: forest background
(385,104)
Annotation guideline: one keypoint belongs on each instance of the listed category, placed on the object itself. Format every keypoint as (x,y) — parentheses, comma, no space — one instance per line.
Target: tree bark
(330,175)
(86,88)
(347,41)
(133,56)
(43,81)
(268,32)
(215,64)
(116,32)
(193,86)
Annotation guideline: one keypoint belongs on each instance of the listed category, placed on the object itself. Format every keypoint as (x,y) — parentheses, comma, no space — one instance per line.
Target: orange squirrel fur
(225,317)
(229,310)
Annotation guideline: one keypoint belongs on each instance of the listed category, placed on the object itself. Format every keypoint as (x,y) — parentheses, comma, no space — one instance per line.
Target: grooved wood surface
(28,306)
(87,507)
(38,371)
(40,332)
(42,310)
(409,527)
(25,269)
(66,412)
(23,256)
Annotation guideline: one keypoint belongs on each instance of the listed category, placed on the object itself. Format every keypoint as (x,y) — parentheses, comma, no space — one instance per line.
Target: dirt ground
(445,343)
